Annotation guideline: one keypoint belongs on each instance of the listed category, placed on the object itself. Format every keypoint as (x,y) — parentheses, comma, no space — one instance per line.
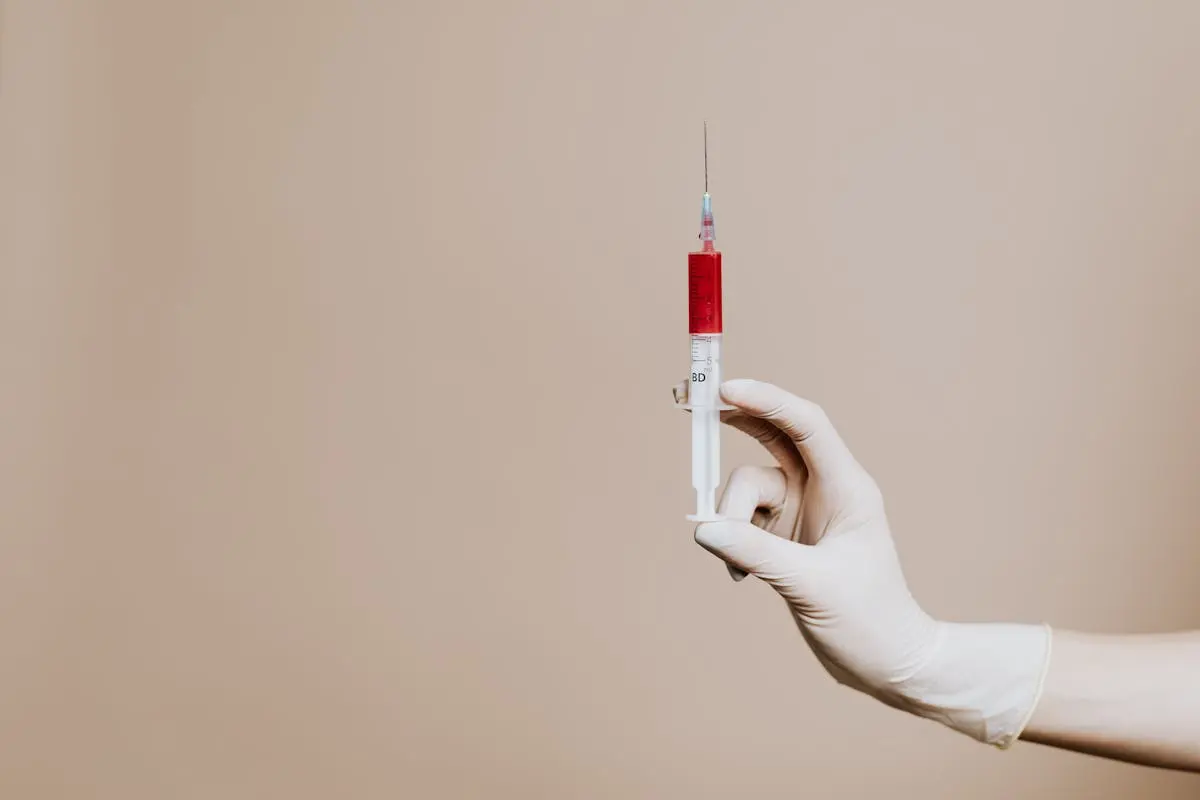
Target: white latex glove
(825,546)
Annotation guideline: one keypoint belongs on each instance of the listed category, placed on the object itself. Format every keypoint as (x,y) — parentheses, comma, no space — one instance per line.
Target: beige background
(336,450)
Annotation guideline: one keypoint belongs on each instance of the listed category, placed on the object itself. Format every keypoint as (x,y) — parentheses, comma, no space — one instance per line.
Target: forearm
(1131,698)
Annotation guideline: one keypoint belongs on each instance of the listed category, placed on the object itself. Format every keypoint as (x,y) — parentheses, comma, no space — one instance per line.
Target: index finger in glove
(802,421)
(764,432)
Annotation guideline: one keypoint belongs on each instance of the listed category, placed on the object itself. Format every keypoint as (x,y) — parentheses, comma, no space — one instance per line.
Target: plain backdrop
(337,454)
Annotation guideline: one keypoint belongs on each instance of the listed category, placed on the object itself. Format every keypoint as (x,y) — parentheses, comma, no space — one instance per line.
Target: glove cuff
(983,680)
(1037,695)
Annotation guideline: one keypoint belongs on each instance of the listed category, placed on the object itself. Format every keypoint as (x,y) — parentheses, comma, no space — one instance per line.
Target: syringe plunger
(704,399)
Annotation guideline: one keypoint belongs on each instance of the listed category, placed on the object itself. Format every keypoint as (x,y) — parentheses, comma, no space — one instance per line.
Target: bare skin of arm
(1130,698)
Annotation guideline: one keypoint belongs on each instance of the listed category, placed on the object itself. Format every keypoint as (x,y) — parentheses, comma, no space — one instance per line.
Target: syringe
(704,387)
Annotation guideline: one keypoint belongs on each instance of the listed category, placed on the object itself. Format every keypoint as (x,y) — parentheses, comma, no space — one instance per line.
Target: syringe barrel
(704,386)
(704,325)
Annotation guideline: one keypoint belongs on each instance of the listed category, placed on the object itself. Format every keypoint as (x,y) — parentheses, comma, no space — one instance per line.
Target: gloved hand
(822,542)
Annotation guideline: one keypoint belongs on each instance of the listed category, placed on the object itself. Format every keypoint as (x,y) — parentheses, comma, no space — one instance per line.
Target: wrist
(981,679)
